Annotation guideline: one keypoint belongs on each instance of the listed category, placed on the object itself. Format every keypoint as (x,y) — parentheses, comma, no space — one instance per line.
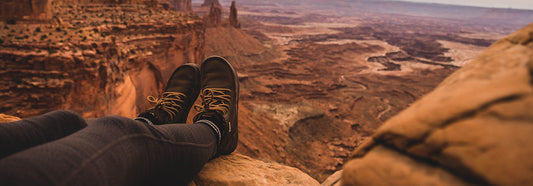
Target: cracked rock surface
(475,128)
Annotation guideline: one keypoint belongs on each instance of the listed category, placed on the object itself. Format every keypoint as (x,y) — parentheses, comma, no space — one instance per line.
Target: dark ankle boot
(220,100)
(178,97)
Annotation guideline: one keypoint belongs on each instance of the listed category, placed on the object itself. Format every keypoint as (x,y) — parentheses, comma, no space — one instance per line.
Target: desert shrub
(11,21)
(38,29)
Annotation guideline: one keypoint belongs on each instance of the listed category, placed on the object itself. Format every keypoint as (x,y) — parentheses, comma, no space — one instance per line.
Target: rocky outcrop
(233,20)
(25,10)
(92,67)
(181,5)
(209,3)
(237,169)
(214,17)
(474,128)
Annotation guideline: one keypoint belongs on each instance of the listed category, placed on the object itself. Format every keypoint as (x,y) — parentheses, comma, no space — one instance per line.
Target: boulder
(236,169)
(474,128)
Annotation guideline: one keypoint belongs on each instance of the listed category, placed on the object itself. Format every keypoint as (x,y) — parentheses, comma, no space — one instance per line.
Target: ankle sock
(143,119)
(213,120)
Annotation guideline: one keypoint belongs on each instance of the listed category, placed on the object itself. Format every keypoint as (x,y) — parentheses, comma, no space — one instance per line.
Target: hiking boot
(178,97)
(220,97)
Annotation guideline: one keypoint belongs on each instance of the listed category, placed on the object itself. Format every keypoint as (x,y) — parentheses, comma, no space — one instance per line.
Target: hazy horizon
(514,4)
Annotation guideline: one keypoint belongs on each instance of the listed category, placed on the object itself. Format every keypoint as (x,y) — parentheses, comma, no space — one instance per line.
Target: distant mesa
(208,3)
(214,17)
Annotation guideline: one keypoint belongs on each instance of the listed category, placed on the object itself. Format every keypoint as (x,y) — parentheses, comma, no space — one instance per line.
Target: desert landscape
(317,77)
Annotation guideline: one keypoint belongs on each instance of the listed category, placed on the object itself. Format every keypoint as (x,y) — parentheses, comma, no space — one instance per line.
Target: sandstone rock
(214,17)
(333,180)
(236,169)
(233,20)
(8,118)
(474,128)
(209,3)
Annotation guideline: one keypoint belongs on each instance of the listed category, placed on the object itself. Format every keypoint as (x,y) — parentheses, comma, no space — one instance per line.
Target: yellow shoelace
(170,102)
(214,99)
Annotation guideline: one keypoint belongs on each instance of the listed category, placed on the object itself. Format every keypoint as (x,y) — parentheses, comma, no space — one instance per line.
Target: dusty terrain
(316,84)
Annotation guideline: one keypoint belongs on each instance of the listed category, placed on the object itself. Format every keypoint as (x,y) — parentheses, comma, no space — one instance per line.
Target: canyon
(317,78)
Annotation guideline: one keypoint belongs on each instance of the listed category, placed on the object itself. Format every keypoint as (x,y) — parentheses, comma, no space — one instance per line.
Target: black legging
(61,148)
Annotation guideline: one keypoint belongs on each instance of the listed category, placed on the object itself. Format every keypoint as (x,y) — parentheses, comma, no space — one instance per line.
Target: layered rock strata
(474,128)
(103,59)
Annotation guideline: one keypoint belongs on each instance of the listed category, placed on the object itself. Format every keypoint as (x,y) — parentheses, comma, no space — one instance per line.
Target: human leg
(19,135)
(114,151)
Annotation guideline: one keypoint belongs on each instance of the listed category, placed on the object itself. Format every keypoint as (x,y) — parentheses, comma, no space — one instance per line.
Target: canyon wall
(95,70)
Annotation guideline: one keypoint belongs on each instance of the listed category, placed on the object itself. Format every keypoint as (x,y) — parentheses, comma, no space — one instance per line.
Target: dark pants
(61,148)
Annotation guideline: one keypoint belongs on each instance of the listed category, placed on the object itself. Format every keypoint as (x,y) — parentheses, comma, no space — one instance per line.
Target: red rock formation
(95,70)
(214,17)
(181,5)
(208,3)
(233,20)
(25,9)
(473,129)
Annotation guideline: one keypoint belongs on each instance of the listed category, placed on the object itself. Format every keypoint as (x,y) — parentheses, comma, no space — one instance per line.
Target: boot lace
(171,102)
(214,99)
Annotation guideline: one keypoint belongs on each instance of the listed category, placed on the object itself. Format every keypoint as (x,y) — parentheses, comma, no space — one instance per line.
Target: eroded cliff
(96,59)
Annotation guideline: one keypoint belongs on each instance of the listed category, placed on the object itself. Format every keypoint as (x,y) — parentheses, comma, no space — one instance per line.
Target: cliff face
(25,9)
(95,63)
(474,128)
